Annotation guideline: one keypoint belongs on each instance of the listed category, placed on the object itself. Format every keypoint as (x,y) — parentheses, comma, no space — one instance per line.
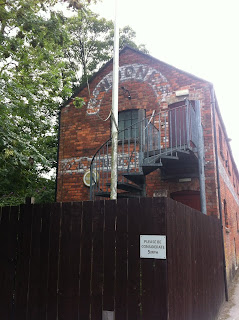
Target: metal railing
(144,143)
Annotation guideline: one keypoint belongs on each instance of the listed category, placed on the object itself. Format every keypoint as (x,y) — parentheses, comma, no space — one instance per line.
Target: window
(128,120)
(236,266)
(220,142)
(228,164)
(225,213)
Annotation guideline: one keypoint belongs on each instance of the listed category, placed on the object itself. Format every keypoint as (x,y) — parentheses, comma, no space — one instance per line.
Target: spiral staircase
(167,141)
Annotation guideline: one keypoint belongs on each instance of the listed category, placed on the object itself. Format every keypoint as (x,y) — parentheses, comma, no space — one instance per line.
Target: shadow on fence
(79,260)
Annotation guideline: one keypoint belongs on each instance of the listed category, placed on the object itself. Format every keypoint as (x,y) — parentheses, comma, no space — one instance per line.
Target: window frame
(226,218)
(127,119)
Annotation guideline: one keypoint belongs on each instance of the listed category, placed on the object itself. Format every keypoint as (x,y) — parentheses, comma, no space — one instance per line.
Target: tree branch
(6,65)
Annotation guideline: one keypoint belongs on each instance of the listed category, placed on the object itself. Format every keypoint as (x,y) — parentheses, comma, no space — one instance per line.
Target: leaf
(78,102)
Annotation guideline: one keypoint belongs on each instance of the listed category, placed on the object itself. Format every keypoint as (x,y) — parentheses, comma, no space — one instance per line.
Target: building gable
(140,67)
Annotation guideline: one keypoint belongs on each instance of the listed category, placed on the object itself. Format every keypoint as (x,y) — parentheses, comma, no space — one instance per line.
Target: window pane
(127,123)
(121,125)
(122,115)
(127,119)
(121,136)
(127,134)
(134,132)
(134,114)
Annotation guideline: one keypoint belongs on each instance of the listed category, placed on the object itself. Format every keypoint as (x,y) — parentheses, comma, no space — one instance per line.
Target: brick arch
(139,73)
(142,97)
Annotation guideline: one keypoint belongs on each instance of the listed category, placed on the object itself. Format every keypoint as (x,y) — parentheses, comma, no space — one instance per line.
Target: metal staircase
(167,141)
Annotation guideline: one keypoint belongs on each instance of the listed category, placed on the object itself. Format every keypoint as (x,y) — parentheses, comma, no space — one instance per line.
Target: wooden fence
(75,261)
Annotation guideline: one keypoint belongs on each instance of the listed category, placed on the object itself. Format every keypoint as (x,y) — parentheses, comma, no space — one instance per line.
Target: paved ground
(230,309)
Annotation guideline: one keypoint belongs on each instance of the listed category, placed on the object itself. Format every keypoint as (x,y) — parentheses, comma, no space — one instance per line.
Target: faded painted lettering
(137,72)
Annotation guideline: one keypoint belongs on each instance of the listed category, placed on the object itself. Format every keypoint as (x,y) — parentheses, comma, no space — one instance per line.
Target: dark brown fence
(79,260)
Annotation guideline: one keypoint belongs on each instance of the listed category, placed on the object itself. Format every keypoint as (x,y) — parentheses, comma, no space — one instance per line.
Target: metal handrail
(163,133)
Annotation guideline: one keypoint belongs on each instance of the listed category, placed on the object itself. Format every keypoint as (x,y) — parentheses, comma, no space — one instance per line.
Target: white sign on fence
(152,246)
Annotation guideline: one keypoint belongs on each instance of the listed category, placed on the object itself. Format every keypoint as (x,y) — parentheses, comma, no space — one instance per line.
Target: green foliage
(127,37)
(44,56)
(31,87)
(78,102)
(44,191)
(78,4)
(92,40)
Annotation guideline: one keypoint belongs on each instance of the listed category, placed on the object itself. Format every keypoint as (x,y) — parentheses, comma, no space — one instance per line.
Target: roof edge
(225,132)
(81,87)
(166,64)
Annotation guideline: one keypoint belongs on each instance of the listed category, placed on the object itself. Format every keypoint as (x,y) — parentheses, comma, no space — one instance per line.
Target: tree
(44,56)
(92,41)
(31,84)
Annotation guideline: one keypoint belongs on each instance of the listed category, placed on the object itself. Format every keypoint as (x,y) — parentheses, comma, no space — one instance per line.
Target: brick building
(172,142)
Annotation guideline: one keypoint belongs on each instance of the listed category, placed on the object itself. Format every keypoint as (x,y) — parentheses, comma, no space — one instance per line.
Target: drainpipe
(219,189)
(201,160)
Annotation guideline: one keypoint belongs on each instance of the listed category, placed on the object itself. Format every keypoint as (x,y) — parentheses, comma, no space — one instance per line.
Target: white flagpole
(114,116)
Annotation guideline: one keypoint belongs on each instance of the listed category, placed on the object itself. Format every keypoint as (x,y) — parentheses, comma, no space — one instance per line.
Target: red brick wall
(229,186)
(82,133)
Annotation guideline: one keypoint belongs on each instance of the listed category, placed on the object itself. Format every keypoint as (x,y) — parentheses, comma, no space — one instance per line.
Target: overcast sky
(200,37)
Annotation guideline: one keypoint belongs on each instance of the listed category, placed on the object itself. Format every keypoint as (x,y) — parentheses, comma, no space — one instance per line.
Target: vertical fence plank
(44,259)
(64,290)
(85,266)
(8,243)
(121,300)
(5,288)
(134,229)
(38,279)
(206,266)
(171,243)
(53,271)
(76,217)
(69,261)
(154,271)
(218,280)
(23,262)
(12,253)
(179,260)
(195,244)
(35,283)
(195,273)
(97,261)
(76,264)
(201,265)
(109,256)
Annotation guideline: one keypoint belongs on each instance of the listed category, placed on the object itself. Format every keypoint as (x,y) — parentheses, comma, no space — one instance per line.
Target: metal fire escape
(170,141)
